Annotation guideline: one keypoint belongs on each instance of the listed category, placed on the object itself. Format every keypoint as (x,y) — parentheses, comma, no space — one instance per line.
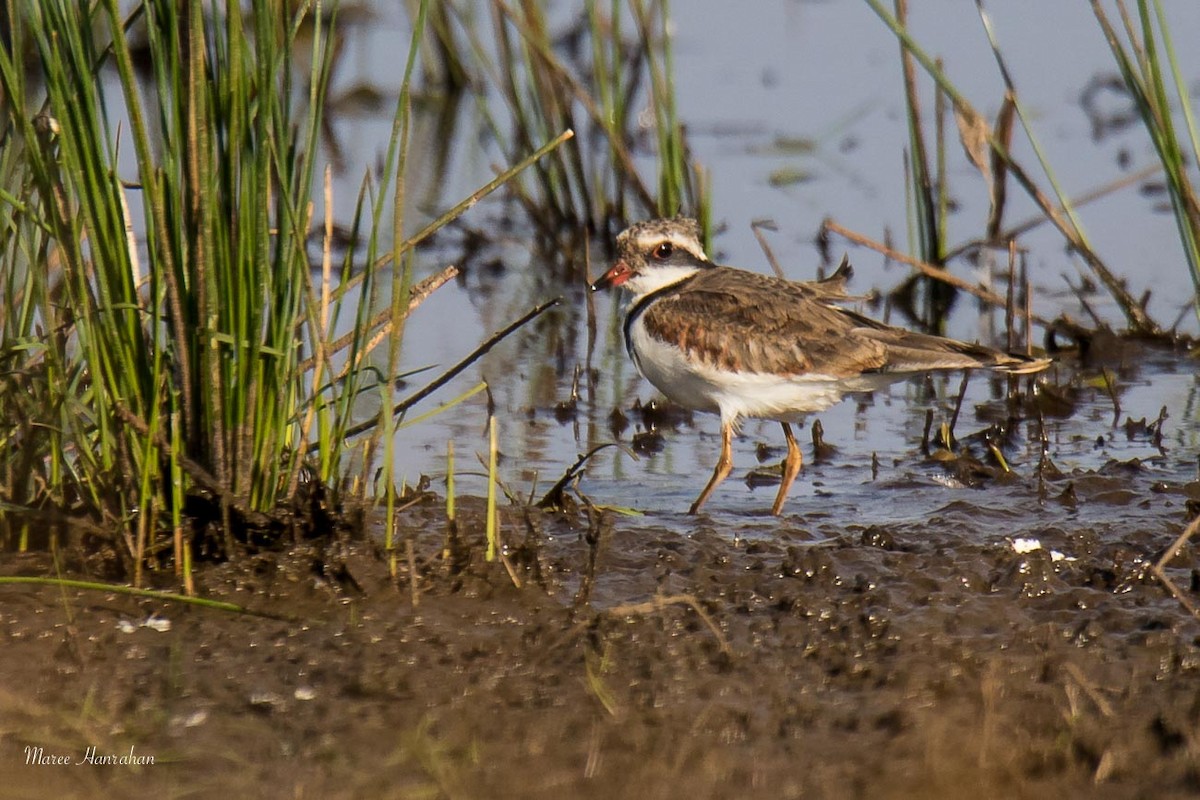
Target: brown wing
(908,351)
(758,323)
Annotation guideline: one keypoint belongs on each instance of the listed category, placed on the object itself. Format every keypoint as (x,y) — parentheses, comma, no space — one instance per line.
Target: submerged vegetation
(171,384)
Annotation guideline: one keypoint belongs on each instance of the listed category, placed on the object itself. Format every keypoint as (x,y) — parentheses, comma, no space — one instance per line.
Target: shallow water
(748,84)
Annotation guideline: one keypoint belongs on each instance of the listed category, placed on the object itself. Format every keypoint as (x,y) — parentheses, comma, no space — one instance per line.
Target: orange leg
(722,470)
(791,468)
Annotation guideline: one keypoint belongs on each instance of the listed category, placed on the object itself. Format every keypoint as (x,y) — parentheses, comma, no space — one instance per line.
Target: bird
(743,344)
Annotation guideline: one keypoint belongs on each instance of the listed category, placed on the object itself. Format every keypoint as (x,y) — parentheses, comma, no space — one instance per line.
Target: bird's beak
(618,274)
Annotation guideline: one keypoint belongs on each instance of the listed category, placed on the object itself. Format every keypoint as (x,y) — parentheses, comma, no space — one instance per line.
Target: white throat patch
(657,277)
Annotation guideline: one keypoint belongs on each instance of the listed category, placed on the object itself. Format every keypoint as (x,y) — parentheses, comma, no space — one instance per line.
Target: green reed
(1146,58)
(983,143)
(598,89)
(166,356)
(173,361)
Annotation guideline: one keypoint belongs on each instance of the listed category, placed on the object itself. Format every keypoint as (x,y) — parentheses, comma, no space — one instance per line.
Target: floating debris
(1022,545)
(153,622)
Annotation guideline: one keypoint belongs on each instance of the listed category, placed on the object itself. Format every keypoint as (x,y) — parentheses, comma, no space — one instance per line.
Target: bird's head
(654,254)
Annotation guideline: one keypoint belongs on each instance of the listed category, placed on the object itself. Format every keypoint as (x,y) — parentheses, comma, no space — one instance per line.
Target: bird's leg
(722,470)
(791,468)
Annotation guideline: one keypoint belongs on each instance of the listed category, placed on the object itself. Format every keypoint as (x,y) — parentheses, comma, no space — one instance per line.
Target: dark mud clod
(821,449)
(875,536)
(617,423)
(648,442)
(808,563)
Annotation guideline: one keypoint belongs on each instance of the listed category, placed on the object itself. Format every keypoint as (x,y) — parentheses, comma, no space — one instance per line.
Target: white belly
(739,394)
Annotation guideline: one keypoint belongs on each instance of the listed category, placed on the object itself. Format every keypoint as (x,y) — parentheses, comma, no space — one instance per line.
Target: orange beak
(618,274)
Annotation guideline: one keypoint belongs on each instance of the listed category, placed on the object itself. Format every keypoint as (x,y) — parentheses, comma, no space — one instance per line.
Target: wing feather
(749,322)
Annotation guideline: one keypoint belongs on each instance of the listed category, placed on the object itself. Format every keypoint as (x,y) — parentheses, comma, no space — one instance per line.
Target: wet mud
(1019,651)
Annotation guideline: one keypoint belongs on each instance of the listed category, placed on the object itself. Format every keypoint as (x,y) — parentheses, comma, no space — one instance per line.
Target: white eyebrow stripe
(648,239)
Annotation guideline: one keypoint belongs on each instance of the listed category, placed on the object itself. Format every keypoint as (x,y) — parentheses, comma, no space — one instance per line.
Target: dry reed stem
(585,99)
(1158,567)
(663,601)
(414,587)
(446,376)
(418,294)
(757,227)
(926,269)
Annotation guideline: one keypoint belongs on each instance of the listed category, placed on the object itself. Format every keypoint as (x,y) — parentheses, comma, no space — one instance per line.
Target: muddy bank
(913,660)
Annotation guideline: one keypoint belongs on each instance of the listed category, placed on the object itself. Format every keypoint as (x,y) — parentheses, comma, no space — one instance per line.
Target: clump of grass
(592,78)
(1151,73)
(169,381)
(185,348)
(1144,72)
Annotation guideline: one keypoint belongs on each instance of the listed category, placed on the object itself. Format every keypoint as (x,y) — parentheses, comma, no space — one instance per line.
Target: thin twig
(662,601)
(553,498)
(416,295)
(925,269)
(449,374)
(757,226)
(1158,568)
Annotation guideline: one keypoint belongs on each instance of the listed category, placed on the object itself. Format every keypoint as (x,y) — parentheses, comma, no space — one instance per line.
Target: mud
(615,656)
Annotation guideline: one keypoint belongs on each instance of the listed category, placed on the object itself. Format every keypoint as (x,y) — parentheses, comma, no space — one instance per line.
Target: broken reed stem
(962,393)
(451,525)
(1158,568)
(418,294)
(925,269)
(449,374)
(661,602)
(757,227)
(1010,309)
(1027,283)
(1110,387)
(450,480)
(492,522)
(414,588)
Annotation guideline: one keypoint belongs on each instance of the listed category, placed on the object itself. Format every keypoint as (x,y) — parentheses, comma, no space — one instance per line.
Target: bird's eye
(664,250)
